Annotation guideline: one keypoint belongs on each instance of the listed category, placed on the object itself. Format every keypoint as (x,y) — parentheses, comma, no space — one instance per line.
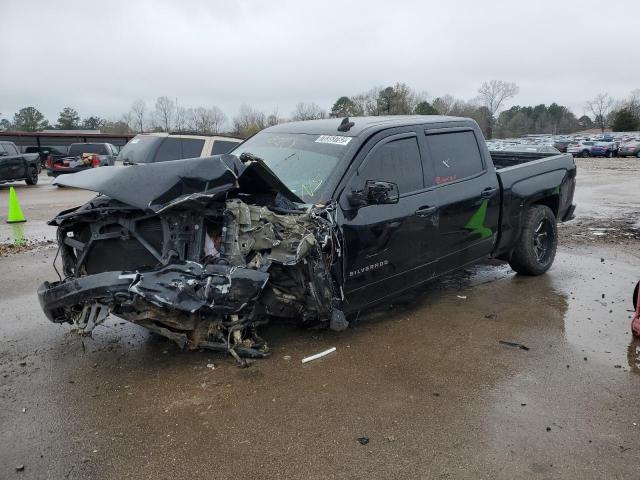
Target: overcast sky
(100,56)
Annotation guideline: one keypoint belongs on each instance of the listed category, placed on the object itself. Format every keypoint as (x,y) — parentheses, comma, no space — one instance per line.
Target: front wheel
(609,154)
(585,154)
(32,176)
(535,250)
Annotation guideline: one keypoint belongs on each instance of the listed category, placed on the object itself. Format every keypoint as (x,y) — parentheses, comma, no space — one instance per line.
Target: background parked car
(561,145)
(630,149)
(82,156)
(581,148)
(604,149)
(161,147)
(44,152)
(18,166)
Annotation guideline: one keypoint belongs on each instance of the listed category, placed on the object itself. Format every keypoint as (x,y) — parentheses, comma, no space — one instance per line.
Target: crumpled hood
(158,186)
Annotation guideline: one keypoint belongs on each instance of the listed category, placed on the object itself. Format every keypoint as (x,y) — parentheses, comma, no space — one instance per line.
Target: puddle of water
(18,233)
(598,316)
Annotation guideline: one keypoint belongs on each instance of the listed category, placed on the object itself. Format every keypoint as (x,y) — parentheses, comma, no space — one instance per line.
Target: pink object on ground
(635,323)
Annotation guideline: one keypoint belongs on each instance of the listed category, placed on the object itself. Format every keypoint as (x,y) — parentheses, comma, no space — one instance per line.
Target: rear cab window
(454,155)
(78,149)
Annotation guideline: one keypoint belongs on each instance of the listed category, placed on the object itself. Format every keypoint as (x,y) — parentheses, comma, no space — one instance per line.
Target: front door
(388,247)
(10,163)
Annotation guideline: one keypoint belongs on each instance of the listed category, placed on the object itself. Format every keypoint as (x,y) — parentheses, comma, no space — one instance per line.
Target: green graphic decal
(476,223)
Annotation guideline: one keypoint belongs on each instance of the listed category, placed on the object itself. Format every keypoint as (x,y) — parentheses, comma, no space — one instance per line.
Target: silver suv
(161,147)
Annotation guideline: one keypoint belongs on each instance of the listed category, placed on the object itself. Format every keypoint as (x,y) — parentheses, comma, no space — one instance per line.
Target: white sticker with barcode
(334,139)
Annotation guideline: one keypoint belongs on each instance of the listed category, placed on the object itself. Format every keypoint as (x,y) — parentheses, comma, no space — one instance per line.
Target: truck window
(222,146)
(397,161)
(454,155)
(77,149)
(11,149)
(177,148)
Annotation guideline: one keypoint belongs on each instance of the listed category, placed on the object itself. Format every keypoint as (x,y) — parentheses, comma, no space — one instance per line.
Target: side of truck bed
(532,178)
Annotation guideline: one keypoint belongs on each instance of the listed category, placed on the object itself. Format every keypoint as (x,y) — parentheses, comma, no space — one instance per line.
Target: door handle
(426,211)
(488,192)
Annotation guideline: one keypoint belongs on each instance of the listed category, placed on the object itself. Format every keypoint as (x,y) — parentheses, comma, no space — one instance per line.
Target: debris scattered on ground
(548,429)
(491,316)
(211,366)
(462,297)
(363,440)
(514,344)
(286,358)
(318,355)
(12,248)
(390,438)
(19,468)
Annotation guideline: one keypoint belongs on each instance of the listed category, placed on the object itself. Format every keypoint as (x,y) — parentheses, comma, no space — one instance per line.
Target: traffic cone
(15,212)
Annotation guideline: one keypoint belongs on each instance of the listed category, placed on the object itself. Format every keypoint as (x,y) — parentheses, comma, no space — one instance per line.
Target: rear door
(468,195)
(388,247)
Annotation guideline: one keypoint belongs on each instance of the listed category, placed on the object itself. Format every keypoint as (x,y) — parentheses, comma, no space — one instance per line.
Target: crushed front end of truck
(201,251)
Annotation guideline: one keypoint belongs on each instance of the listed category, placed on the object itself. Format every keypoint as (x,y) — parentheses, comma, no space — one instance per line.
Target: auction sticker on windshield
(334,139)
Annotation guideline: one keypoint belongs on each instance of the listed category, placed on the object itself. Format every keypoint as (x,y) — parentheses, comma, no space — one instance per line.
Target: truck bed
(504,159)
(527,177)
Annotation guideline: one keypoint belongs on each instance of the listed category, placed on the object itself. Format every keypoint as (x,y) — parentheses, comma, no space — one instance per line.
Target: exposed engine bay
(201,251)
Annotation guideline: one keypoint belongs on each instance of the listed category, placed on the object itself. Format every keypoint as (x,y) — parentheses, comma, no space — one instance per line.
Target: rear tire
(535,250)
(32,176)
(585,154)
(609,154)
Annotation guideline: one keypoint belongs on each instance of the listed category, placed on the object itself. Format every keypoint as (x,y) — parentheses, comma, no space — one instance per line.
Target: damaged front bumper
(194,305)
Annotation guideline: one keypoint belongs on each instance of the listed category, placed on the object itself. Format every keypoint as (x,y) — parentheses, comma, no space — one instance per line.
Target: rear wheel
(585,154)
(535,250)
(609,154)
(32,176)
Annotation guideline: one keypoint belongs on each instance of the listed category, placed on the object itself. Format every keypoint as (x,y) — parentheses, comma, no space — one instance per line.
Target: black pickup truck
(309,220)
(15,166)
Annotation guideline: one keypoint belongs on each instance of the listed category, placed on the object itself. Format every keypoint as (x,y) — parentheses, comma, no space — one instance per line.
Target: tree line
(488,108)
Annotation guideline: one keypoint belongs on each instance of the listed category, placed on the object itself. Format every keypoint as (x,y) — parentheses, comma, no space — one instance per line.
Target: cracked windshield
(303,162)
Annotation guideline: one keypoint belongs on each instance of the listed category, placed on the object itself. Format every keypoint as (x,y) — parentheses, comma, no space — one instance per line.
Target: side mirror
(375,192)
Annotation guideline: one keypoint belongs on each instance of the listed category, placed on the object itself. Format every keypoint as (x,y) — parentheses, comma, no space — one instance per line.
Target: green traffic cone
(15,212)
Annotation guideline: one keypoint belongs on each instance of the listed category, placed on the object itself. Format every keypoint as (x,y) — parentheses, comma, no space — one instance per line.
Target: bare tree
(248,121)
(164,113)
(600,107)
(633,102)
(139,111)
(308,111)
(207,121)
(444,104)
(492,96)
(217,118)
(181,119)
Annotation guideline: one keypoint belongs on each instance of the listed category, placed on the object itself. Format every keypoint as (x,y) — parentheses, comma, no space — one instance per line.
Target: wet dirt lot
(424,379)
